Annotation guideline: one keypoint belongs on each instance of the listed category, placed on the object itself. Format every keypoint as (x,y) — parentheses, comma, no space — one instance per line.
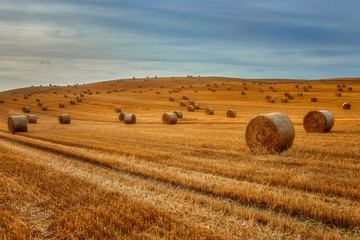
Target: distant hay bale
(209,111)
(122,116)
(26,96)
(289,95)
(191,101)
(157,91)
(213,90)
(195,90)
(78,99)
(169,118)
(65,96)
(228,88)
(346,105)
(64,119)
(314,99)
(97,92)
(2,101)
(190,108)
(178,113)
(196,106)
(171,99)
(350,89)
(72,102)
(309,86)
(44,107)
(170,91)
(243,93)
(117,109)
(306,89)
(296,86)
(130,119)
(268,96)
(300,94)
(318,121)
(82,95)
(344,85)
(284,99)
(61,105)
(109,91)
(231,113)
(185,97)
(274,90)
(31,118)
(271,100)
(17,124)
(14,99)
(340,89)
(182,103)
(338,94)
(338,86)
(261,90)
(246,88)
(74,94)
(273,133)
(40,104)
(37,99)
(26,109)
(162,86)
(90,93)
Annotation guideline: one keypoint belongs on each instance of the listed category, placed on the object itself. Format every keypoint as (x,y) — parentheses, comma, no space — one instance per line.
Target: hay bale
(196,106)
(190,108)
(171,99)
(31,118)
(209,111)
(109,91)
(169,118)
(64,119)
(191,101)
(309,86)
(195,90)
(170,91)
(72,102)
(44,107)
(90,92)
(185,97)
(231,113)
(26,109)
(228,88)
(2,101)
(14,99)
(182,103)
(350,89)
(284,99)
(178,113)
(97,92)
(213,90)
(306,89)
(65,96)
(37,99)
(273,133)
(157,91)
(243,93)
(289,95)
(268,96)
(344,85)
(129,119)
(314,99)
(26,96)
(271,100)
(300,94)
(318,121)
(117,109)
(346,105)
(17,124)
(340,89)
(122,116)
(61,105)
(78,99)
(261,90)
(82,95)
(40,104)
(338,94)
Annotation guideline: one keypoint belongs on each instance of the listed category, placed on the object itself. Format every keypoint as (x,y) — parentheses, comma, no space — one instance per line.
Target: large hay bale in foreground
(190,108)
(64,119)
(169,118)
(346,105)
(273,132)
(318,121)
(117,109)
(178,113)
(17,124)
(61,105)
(130,119)
(122,116)
(231,113)
(209,111)
(26,109)
(31,118)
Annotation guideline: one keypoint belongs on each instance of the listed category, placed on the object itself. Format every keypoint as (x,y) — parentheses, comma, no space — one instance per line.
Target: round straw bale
(196,106)
(300,94)
(31,118)
(243,93)
(284,99)
(130,119)
(61,105)
(344,85)
(44,107)
(157,91)
(231,113)
(273,132)
(268,96)
(26,109)
(65,96)
(109,91)
(171,99)
(309,86)
(185,97)
(318,121)
(340,89)
(191,101)
(82,95)
(346,105)
(40,104)
(261,90)
(74,94)
(338,94)
(271,100)
(190,108)
(37,99)
(289,95)
(17,124)
(64,119)
(170,91)
(2,101)
(117,109)
(90,92)
(182,103)
(314,99)
(72,102)
(209,111)
(97,92)
(78,99)
(350,89)
(228,88)
(246,88)
(169,118)
(306,89)
(25,96)
(14,99)
(195,90)
(338,86)
(122,115)
(213,90)
(178,113)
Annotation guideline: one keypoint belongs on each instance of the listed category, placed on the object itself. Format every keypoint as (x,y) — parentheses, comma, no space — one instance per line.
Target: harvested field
(100,178)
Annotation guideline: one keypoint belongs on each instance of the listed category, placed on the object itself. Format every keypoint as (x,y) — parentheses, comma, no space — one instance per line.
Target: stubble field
(98,178)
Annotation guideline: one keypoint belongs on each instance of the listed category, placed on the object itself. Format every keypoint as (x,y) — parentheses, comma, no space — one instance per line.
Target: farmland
(100,178)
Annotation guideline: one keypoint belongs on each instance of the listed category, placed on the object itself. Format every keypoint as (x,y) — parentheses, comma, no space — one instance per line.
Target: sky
(72,41)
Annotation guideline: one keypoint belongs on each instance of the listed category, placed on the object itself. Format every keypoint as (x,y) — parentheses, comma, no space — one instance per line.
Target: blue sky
(66,42)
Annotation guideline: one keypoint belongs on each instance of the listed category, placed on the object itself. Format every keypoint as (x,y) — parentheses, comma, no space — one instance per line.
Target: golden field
(98,178)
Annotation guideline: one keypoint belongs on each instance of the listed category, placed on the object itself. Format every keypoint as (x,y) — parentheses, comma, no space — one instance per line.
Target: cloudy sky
(73,41)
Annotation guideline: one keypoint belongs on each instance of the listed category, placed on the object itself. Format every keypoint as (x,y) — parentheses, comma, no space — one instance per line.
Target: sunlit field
(98,178)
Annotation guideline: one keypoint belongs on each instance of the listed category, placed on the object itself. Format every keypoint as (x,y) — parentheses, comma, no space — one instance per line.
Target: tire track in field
(227,217)
(318,208)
